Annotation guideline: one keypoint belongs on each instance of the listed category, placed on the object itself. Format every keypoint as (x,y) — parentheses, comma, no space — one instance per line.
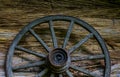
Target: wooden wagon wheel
(59,60)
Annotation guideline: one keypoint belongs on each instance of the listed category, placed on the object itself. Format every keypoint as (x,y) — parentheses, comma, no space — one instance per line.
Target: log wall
(12,21)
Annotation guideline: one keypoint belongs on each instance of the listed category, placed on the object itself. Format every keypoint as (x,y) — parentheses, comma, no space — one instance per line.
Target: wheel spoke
(90,57)
(60,75)
(85,71)
(69,73)
(80,43)
(52,75)
(31,52)
(40,40)
(42,73)
(54,40)
(68,34)
(38,63)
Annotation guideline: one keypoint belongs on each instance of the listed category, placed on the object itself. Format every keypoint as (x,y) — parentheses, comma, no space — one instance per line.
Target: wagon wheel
(58,62)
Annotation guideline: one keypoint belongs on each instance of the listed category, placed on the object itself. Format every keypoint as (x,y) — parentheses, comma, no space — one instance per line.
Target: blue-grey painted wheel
(58,61)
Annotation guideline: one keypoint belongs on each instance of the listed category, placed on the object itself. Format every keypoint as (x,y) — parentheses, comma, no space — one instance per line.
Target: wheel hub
(58,60)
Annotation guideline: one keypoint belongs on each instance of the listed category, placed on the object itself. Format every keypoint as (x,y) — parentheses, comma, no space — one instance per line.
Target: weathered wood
(12,22)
